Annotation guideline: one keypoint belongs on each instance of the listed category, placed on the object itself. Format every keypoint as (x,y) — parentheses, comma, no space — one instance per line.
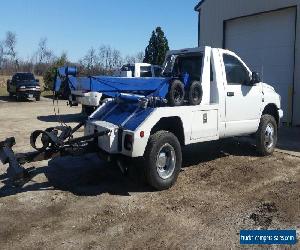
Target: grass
(3,91)
(47,93)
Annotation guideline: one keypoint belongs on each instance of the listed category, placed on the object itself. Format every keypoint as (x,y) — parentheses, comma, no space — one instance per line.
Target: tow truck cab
(234,103)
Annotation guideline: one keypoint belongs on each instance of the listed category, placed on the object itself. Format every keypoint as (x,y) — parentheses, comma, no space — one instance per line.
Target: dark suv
(24,85)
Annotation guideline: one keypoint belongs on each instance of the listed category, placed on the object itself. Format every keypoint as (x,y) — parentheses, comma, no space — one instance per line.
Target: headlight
(37,87)
(22,87)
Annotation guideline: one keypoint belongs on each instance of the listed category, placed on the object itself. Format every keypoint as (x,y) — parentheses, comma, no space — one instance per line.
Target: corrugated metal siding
(215,12)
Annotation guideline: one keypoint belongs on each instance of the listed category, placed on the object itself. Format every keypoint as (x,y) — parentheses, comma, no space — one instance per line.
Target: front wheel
(163,159)
(266,135)
(38,98)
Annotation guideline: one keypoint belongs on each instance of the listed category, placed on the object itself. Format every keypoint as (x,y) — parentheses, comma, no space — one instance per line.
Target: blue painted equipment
(126,89)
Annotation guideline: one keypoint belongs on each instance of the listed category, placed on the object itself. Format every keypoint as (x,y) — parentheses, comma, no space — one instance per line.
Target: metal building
(266,34)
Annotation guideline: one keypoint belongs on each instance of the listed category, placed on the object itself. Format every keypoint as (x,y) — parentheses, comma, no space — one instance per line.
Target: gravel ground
(84,203)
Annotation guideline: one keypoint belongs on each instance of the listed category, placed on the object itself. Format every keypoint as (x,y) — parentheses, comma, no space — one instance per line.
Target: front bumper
(28,93)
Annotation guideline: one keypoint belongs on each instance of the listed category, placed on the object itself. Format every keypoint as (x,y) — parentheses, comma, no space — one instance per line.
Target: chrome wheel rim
(166,161)
(269,136)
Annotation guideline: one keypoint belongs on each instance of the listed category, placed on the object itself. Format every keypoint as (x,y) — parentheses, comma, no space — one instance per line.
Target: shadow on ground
(66,118)
(13,99)
(289,139)
(82,176)
(89,176)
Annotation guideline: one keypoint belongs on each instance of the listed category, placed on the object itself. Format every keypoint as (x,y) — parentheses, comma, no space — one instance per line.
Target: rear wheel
(195,93)
(176,93)
(11,95)
(163,159)
(266,135)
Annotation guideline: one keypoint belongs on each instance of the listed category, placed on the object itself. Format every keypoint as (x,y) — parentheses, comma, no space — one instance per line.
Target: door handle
(230,94)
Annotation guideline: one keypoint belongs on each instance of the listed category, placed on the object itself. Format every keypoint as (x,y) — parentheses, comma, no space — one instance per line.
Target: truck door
(243,101)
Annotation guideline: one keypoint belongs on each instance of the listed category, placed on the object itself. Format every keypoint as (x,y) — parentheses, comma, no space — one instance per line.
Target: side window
(236,73)
(145,71)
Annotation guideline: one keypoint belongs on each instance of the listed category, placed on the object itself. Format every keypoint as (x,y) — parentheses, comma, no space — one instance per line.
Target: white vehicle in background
(91,100)
(139,70)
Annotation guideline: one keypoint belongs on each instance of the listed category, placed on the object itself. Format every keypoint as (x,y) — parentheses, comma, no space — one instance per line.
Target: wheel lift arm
(54,145)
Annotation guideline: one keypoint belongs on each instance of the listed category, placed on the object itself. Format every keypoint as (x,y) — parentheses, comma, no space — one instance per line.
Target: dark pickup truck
(24,85)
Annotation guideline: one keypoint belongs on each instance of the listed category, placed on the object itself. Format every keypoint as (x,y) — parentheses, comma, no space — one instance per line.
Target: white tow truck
(234,103)
(204,94)
(90,100)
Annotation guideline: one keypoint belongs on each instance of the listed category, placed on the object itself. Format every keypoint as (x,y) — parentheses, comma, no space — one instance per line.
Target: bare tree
(101,55)
(116,59)
(44,54)
(10,44)
(90,61)
(140,57)
(2,54)
(130,59)
(108,57)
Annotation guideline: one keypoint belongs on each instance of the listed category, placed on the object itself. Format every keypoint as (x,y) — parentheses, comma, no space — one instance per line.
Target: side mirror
(37,80)
(255,78)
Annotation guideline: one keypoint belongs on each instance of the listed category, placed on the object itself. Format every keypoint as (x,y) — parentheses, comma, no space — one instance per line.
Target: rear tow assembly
(55,142)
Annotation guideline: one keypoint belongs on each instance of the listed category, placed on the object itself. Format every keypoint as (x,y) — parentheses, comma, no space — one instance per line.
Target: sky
(74,26)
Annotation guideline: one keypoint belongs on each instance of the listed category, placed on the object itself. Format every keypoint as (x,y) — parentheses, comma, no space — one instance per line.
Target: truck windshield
(178,65)
(23,77)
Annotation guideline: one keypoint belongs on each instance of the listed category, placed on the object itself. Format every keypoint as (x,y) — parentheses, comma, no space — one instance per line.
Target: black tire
(153,172)
(11,95)
(195,93)
(266,135)
(38,98)
(176,94)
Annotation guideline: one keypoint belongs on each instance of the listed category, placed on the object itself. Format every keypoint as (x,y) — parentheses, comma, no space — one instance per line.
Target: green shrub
(49,75)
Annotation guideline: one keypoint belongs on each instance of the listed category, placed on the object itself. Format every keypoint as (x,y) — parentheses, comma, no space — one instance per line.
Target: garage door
(266,43)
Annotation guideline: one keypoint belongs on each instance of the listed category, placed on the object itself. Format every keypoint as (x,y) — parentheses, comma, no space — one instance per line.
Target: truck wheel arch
(171,124)
(271,109)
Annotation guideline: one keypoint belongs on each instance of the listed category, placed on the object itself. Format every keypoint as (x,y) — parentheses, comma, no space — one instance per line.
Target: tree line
(97,61)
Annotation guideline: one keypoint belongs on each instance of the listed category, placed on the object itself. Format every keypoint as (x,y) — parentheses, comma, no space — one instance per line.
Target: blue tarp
(112,85)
